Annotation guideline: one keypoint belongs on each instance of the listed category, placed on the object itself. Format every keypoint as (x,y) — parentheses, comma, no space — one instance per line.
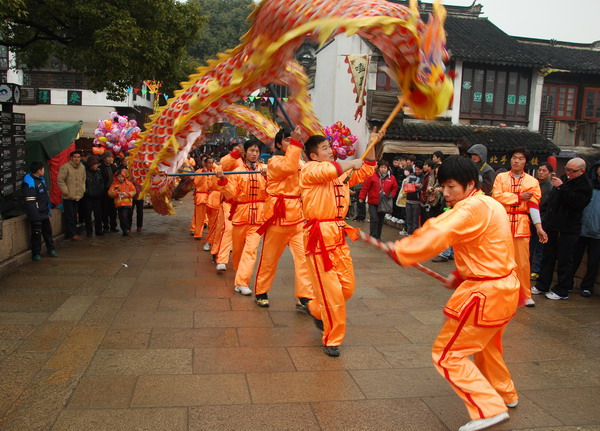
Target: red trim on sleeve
(296,143)
(338,168)
(373,163)
(532,205)
(222,181)
(235,154)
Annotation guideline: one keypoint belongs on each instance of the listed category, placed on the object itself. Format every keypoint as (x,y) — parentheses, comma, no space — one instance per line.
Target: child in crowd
(123,191)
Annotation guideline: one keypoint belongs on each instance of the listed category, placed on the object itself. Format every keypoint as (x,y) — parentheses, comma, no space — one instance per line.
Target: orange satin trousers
(212,216)
(485,385)
(275,240)
(199,218)
(222,247)
(332,289)
(523,266)
(245,243)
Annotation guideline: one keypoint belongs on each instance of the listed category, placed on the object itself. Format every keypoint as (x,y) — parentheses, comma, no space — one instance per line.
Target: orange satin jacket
(479,231)
(228,163)
(325,200)
(507,189)
(283,204)
(201,188)
(248,192)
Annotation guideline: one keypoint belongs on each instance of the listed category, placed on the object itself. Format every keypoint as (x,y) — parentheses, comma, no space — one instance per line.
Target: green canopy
(49,138)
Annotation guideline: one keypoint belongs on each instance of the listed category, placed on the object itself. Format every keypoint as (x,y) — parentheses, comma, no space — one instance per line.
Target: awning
(87,115)
(47,139)
(416,147)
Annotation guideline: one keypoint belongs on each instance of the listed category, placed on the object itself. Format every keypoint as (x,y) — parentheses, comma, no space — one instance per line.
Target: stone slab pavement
(140,333)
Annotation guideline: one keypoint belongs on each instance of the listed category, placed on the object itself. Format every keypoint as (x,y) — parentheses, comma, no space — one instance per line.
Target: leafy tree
(114,44)
(225,25)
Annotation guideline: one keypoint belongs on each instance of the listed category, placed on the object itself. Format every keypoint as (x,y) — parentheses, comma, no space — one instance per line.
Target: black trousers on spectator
(39,229)
(413,211)
(88,206)
(399,212)
(376,221)
(109,213)
(138,206)
(559,249)
(71,208)
(593,261)
(124,217)
(361,211)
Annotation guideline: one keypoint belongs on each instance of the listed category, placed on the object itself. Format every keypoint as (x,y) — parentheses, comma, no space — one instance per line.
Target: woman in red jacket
(379,190)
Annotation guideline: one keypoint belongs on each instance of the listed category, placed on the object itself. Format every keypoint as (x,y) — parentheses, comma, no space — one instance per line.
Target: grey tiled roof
(498,140)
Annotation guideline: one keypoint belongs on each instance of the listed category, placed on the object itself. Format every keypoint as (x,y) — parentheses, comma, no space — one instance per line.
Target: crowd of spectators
(407,193)
(569,211)
(92,191)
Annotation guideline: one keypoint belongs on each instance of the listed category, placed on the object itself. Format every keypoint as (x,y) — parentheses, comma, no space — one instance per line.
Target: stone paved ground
(140,333)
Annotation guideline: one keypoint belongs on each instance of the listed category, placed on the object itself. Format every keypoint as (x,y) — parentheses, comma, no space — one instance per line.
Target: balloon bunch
(342,140)
(117,134)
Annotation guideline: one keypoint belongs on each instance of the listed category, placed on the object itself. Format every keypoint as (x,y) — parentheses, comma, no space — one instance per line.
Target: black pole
(280,105)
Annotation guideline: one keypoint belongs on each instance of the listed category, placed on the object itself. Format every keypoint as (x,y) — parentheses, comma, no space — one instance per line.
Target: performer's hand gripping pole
(389,250)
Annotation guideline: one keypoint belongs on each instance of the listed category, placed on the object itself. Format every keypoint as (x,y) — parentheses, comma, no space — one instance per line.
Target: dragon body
(414,52)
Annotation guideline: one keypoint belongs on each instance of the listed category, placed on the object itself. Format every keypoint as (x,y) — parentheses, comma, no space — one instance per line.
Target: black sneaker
(262,300)
(586,293)
(302,305)
(332,351)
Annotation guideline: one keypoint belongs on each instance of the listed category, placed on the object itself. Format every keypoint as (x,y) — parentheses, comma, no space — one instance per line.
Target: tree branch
(41,29)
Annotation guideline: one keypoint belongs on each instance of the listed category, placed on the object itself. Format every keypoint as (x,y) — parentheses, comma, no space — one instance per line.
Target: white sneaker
(513,404)
(206,247)
(403,233)
(244,290)
(481,424)
(536,291)
(529,302)
(555,297)
(221,267)
(401,221)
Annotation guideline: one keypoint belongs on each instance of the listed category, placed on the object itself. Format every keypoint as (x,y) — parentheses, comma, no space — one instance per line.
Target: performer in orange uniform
(248,192)
(213,204)
(284,221)
(201,192)
(486,297)
(223,243)
(325,200)
(520,194)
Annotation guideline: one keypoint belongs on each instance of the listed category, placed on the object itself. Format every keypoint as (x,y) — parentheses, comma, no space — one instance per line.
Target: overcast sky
(570,20)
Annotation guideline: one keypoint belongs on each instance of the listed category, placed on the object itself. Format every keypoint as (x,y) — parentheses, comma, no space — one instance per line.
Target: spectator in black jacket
(92,199)
(562,222)
(109,212)
(37,206)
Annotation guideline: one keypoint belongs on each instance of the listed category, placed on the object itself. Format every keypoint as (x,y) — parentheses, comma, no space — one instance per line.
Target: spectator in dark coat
(92,200)
(413,203)
(562,222)
(590,237)
(399,164)
(109,212)
(487,175)
(37,207)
